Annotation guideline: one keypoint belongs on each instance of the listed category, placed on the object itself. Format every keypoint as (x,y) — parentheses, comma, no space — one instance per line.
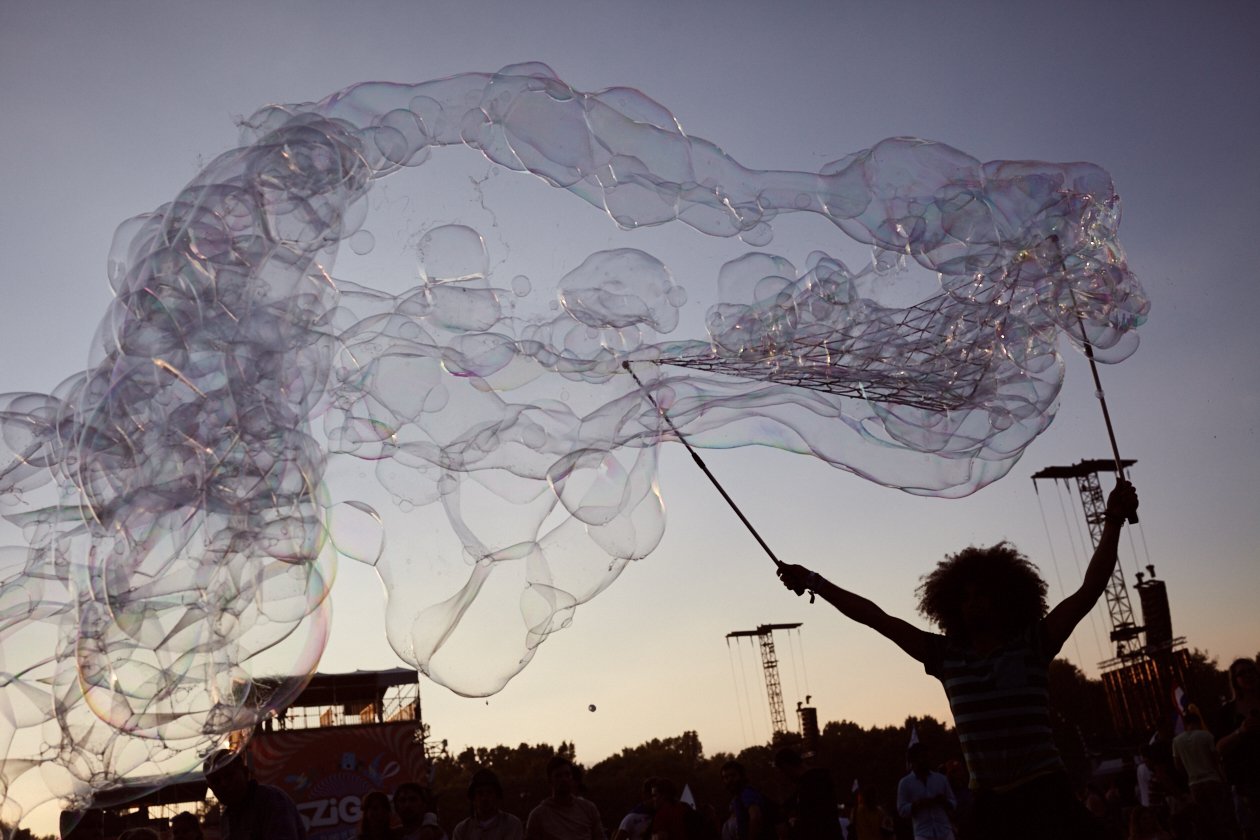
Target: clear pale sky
(110,108)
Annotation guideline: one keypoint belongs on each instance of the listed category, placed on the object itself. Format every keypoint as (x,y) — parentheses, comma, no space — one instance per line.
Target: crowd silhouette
(1198,783)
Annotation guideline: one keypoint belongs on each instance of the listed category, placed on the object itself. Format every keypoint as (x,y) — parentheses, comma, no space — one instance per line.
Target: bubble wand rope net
(709,475)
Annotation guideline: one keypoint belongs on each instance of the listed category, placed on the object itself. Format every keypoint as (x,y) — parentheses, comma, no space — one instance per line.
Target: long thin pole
(704,468)
(1102,401)
(1102,397)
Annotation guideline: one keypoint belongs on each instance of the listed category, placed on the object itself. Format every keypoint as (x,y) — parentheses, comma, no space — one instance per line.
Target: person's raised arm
(862,610)
(1062,620)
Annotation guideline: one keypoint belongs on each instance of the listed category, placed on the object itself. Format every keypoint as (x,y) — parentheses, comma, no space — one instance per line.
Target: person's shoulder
(632,820)
(937,648)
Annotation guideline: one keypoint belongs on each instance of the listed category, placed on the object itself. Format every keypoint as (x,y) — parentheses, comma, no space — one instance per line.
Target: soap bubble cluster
(183,501)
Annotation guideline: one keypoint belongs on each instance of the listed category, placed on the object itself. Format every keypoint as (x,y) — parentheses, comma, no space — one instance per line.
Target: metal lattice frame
(770,666)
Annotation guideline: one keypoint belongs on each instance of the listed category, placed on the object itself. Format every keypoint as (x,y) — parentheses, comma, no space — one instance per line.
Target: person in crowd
(1237,733)
(751,813)
(1194,752)
(251,811)
(431,827)
(563,815)
(637,824)
(412,803)
(488,820)
(1144,779)
(870,821)
(186,826)
(925,798)
(671,819)
(993,658)
(375,816)
(1170,798)
(809,812)
(846,822)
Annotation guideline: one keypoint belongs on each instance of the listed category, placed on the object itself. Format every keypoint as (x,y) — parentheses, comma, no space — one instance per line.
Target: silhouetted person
(186,826)
(993,658)
(412,801)
(251,811)
(1194,752)
(925,798)
(1238,740)
(671,819)
(488,820)
(810,811)
(431,827)
(869,820)
(750,816)
(564,815)
(637,823)
(375,817)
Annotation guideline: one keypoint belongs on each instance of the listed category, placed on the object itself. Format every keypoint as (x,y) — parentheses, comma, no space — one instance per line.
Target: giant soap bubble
(182,501)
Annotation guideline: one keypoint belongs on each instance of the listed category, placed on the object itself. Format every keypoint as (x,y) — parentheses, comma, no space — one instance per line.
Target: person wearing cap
(488,820)
(430,828)
(251,811)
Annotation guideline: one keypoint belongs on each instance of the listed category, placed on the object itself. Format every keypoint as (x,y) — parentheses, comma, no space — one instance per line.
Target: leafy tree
(521,771)
(1078,702)
(1205,682)
(616,782)
(22,834)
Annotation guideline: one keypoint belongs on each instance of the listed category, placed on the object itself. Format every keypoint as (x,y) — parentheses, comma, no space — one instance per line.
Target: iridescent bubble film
(250,415)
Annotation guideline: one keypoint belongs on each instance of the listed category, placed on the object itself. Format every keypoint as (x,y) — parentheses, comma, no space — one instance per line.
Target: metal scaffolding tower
(770,665)
(1125,632)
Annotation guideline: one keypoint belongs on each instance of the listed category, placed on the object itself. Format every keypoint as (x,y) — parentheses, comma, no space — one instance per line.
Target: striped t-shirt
(1001,707)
